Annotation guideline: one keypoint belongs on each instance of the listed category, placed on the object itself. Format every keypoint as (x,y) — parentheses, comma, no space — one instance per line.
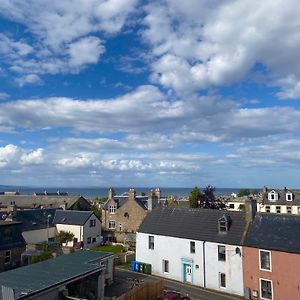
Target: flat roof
(40,276)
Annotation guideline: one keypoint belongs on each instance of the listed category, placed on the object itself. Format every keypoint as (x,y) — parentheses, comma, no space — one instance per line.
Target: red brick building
(271,258)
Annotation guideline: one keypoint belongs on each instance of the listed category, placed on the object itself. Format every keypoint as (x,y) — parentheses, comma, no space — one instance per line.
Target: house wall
(284,273)
(295,208)
(177,252)
(15,258)
(173,250)
(77,230)
(92,232)
(232,267)
(39,235)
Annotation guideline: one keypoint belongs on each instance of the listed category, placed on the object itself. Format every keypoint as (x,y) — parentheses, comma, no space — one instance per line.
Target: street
(125,279)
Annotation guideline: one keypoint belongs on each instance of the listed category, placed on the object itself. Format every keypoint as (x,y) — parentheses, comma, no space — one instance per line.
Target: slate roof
(10,235)
(38,200)
(120,200)
(282,197)
(71,217)
(275,232)
(33,219)
(195,224)
(46,274)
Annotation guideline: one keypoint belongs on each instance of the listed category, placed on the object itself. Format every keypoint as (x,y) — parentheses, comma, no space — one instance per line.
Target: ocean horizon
(93,192)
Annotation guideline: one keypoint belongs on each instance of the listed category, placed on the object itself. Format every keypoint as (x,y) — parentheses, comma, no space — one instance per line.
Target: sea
(93,192)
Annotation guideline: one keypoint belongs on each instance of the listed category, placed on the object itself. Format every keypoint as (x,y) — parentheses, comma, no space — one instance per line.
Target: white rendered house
(85,226)
(198,246)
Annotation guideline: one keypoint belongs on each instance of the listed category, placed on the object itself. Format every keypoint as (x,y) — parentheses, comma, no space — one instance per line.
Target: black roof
(275,232)
(10,235)
(195,224)
(33,219)
(72,217)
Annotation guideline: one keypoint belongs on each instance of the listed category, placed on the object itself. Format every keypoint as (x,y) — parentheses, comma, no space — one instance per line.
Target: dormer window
(273,196)
(112,209)
(289,196)
(224,224)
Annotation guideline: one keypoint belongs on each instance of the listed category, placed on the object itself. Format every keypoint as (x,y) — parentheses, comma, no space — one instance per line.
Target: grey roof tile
(195,224)
(71,217)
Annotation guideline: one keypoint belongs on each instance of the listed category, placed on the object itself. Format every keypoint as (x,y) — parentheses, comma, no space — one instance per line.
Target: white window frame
(166,266)
(278,209)
(220,280)
(268,208)
(272,196)
(219,252)
(151,242)
(260,292)
(287,196)
(112,209)
(259,256)
(111,222)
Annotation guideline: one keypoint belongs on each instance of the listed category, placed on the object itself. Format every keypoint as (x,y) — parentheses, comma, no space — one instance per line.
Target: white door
(188,273)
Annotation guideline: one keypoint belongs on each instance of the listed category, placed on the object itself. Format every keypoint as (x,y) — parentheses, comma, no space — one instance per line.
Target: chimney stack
(111,193)
(132,194)
(150,201)
(12,211)
(250,209)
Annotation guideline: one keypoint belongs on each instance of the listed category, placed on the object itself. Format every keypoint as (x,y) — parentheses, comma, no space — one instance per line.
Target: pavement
(126,279)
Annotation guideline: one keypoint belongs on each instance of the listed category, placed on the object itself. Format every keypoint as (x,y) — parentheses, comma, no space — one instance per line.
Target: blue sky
(149,93)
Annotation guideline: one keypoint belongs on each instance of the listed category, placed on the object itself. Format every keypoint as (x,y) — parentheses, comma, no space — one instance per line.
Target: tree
(64,237)
(194,198)
(243,192)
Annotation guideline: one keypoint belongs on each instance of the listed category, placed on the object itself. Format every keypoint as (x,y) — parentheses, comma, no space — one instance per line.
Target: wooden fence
(144,291)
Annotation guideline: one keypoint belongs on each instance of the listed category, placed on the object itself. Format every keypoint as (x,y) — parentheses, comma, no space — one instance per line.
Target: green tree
(243,192)
(97,211)
(194,198)
(64,237)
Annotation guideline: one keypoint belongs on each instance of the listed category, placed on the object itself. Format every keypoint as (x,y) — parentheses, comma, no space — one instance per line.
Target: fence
(145,291)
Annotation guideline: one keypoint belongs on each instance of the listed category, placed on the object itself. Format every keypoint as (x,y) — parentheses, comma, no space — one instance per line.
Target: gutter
(204,270)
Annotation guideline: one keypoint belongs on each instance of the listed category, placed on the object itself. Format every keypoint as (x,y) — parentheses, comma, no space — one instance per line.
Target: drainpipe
(204,271)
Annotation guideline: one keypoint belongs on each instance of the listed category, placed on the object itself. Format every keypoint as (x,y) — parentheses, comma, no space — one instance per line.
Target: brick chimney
(11,211)
(150,201)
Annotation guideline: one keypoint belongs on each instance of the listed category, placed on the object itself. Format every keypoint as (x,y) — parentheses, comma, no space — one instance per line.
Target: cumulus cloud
(63,34)
(13,156)
(223,42)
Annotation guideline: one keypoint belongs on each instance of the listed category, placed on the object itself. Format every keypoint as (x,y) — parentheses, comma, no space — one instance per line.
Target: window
(192,247)
(92,223)
(151,242)
(222,280)
(221,253)
(272,196)
(222,226)
(112,224)
(89,239)
(165,266)
(93,240)
(268,208)
(7,257)
(288,209)
(120,227)
(266,289)
(289,197)
(231,206)
(265,260)
(278,209)
(112,209)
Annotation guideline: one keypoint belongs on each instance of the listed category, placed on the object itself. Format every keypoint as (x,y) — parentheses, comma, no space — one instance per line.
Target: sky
(165,93)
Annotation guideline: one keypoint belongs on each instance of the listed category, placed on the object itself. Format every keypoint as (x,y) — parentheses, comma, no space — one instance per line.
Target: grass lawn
(113,249)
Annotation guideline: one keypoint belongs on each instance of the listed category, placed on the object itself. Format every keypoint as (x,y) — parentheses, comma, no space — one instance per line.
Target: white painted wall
(295,208)
(39,235)
(175,249)
(232,267)
(82,233)
(172,249)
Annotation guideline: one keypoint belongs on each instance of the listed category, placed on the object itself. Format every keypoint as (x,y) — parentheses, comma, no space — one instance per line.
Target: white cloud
(11,156)
(63,33)
(223,41)
(4,96)
(85,51)
(29,79)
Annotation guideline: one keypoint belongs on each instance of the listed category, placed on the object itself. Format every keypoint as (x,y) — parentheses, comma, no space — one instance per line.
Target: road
(124,280)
